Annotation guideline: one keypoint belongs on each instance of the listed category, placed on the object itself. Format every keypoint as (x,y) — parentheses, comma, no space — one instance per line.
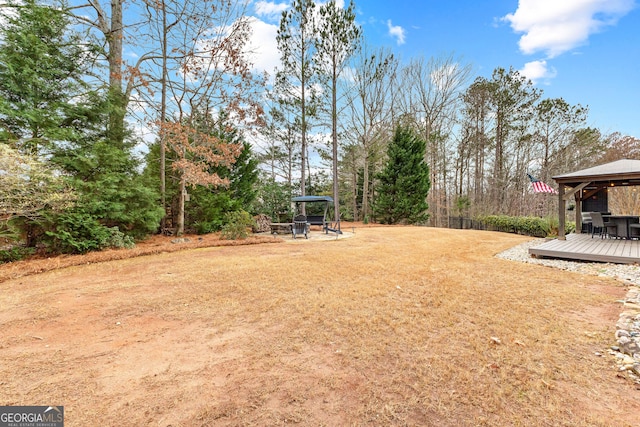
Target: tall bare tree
(554,124)
(107,20)
(430,96)
(338,37)
(296,42)
(282,136)
(475,143)
(370,104)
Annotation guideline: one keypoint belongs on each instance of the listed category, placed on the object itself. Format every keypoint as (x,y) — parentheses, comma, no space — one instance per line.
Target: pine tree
(338,37)
(404,183)
(208,205)
(295,81)
(42,70)
(47,109)
(243,174)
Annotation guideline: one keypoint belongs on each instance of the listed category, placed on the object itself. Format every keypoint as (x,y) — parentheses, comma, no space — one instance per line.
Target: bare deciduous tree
(370,103)
(430,96)
(200,66)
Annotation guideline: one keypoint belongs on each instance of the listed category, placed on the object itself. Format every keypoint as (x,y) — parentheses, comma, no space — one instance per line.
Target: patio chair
(586,220)
(634,231)
(598,225)
(300,226)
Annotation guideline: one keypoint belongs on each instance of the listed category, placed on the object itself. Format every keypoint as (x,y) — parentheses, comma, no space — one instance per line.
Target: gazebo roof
(312,199)
(621,171)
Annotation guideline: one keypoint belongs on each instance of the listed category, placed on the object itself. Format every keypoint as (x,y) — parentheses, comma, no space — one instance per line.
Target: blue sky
(585,51)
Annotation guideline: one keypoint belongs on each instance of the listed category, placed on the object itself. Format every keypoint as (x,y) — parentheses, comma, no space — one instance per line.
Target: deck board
(584,247)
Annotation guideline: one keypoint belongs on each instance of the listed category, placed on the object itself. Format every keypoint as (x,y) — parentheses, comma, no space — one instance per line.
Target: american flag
(540,187)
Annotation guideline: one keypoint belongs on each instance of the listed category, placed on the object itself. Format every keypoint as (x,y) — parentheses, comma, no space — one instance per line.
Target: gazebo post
(561,213)
(578,196)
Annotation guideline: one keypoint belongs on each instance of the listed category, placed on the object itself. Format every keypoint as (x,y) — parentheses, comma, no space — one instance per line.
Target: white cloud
(339,3)
(538,70)
(557,26)
(397,32)
(445,77)
(270,10)
(262,47)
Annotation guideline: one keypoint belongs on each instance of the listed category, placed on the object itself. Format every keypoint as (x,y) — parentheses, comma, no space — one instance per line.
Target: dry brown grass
(395,326)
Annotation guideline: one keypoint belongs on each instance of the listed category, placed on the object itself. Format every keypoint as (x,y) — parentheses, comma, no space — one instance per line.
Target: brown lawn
(394,326)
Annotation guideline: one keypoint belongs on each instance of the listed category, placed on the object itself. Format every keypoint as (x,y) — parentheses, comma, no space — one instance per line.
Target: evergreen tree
(404,183)
(274,199)
(243,174)
(208,206)
(110,191)
(48,109)
(42,70)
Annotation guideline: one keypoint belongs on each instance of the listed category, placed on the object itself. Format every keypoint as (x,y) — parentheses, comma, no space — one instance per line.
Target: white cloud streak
(558,26)
(270,10)
(537,71)
(396,32)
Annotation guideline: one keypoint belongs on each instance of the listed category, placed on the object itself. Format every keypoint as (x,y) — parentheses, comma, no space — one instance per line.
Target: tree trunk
(334,139)
(163,117)
(180,224)
(114,57)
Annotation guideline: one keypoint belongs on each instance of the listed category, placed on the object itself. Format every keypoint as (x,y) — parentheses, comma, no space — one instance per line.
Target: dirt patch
(394,326)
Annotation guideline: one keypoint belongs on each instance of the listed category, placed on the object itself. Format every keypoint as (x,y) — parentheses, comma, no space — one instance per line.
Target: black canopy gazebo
(320,219)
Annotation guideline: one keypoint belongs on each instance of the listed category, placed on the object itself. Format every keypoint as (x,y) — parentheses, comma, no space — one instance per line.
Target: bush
(79,233)
(119,240)
(15,253)
(237,225)
(528,226)
(207,210)
(274,200)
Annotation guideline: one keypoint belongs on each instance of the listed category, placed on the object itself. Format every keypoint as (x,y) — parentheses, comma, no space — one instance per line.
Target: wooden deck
(583,247)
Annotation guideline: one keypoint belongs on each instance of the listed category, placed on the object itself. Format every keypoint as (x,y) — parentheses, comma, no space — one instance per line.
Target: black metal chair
(300,226)
(634,230)
(598,225)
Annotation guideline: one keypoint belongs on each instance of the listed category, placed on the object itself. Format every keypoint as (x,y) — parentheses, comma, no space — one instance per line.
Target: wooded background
(112,146)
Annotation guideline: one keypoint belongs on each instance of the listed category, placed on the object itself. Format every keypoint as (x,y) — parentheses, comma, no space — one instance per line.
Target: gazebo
(589,187)
(320,220)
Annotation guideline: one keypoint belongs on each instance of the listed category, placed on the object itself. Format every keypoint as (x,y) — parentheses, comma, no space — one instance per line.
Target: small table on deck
(623,222)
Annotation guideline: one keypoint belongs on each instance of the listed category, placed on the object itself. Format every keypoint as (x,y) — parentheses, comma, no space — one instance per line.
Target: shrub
(119,240)
(79,233)
(16,253)
(207,210)
(528,226)
(237,225)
